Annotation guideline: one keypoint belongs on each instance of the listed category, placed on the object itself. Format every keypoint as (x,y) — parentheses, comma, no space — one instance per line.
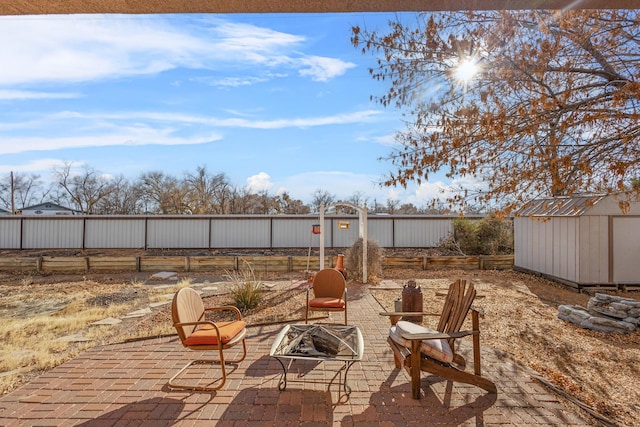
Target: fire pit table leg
(347,389)
(282,386)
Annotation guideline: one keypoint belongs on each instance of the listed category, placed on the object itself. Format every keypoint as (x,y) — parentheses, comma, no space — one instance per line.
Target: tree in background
(27,190)
(321,197)
(207,193)
(157,193)
(524,104)
(123,198)
(84,190)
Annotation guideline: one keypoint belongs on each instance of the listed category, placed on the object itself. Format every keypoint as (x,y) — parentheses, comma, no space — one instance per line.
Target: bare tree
(554,109)
(163,194)
(85,189)
(286,205)
(320,197)
(27,190)
(124,198)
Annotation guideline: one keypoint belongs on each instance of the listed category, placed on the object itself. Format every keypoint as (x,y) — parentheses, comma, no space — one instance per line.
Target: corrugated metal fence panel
(178,233)
(294,233)
(412,233)
(226,231)
(10,233)
(380,230)
(114,233)
(241,233)
(344,237)
(52,233)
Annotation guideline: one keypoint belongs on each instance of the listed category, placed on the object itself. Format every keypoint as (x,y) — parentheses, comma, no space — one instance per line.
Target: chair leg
(220,361)
(415,368)
(172,384)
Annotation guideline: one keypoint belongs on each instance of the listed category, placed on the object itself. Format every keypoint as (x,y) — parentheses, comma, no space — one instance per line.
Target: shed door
(626,250)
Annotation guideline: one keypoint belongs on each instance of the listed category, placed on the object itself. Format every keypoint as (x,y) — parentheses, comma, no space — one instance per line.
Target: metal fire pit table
(318,342)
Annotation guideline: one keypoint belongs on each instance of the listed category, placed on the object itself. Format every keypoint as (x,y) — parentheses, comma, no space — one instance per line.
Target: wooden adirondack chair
(418,349)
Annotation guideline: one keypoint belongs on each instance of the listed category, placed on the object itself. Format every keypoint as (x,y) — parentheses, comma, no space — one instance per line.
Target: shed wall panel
(10,233)
(107,233)
(181,233)
(594,250)
(565,241)
(518,249)
(537,246)
(626,250)
(241,233)
(50,233)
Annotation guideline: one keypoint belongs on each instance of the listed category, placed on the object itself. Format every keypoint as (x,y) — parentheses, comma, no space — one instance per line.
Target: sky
(276,102)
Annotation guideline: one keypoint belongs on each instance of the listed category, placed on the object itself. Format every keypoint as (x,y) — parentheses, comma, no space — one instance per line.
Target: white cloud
(322,69)
(231,81)
(30,95)
(77,129)
(259,182)
(35,166)
(76,48)
(143,136)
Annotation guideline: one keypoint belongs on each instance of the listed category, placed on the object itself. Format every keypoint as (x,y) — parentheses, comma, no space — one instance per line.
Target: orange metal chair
(197,333)
(329,293)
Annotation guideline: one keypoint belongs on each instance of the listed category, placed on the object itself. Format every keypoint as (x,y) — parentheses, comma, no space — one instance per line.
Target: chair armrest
(407,313)
(199,322)
(478,310)
(226,308)
(438,335)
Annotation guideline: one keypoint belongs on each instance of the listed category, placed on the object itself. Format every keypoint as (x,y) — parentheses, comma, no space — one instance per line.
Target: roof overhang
(40,7)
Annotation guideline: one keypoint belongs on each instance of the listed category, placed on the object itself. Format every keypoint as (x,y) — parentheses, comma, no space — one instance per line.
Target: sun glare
(466,70)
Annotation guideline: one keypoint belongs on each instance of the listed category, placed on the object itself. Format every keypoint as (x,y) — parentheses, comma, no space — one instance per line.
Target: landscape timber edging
(97,264)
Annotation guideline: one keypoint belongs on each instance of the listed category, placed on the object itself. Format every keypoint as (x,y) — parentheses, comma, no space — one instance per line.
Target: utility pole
(13,190)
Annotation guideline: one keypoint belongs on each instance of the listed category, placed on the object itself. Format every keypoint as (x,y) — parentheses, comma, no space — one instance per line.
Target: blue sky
(276,102)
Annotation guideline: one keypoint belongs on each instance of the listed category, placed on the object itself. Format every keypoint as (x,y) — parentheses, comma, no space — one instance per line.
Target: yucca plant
(246,289)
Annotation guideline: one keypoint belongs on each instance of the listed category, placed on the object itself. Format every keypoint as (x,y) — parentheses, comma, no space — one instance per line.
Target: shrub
(465,233)
(246,290)
(487,236)
(353,260)
(495,236)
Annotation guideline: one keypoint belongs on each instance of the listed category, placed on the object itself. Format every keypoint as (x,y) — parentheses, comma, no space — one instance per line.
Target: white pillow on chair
(438,349)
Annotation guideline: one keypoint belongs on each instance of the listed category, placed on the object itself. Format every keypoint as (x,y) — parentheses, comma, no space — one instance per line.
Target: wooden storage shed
(586,242)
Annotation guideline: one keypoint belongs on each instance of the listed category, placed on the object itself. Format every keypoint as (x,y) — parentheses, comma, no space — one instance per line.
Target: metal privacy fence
(216,231)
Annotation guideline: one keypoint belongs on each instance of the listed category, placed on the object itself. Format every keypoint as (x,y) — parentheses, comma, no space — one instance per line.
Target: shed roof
(561,206)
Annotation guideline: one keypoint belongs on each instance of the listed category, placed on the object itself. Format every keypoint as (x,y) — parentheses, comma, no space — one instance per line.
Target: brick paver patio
(125,385)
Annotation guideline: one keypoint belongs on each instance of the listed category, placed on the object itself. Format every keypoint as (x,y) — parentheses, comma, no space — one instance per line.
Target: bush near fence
(47,264)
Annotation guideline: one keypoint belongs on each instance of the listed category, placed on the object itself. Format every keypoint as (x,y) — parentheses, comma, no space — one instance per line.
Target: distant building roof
(4,211)
(561,206)
(47,206)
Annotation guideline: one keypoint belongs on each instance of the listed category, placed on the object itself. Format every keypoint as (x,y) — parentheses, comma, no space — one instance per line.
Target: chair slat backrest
(187,306)
(456,306)
(328,283)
